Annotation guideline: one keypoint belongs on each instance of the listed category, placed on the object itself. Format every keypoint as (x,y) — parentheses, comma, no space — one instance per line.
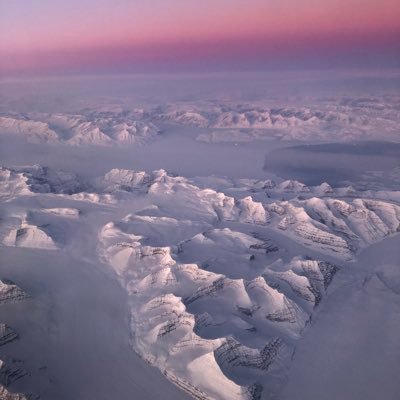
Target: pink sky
(46,35)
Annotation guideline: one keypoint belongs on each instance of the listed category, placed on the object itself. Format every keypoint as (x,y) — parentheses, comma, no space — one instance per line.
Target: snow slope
(90,128)
(189,315)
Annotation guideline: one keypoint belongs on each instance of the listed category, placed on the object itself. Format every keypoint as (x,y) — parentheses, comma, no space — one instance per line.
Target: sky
(67,36)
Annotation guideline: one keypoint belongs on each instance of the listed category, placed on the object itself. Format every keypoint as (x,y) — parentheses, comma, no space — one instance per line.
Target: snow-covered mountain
(339,119)
(208,302)
(319,120)
(222,276)
(91,128)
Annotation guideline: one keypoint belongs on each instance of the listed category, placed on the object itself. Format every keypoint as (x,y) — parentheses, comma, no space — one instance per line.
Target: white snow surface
(120,278)
(304,119)
(220,287)
(92,128)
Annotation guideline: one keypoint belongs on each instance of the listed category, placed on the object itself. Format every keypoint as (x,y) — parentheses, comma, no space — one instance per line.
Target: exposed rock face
(6,334)
(234,354)
(47,180)
(335,226)
(10,293)
(28,235)
(10,371)
(328,272)
(6,395)
(255,391)
(266,245)
(288,313)
(127,180)
(210,290)
(321,237)
(307,280)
